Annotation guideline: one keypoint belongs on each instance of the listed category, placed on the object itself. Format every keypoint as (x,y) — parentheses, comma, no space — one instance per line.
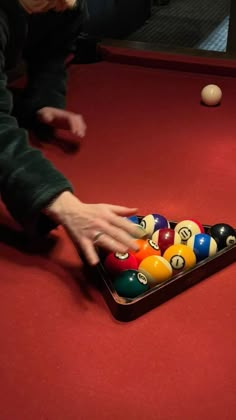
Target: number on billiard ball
(180,257)
(146,248)
(116,262)
(153,222)
(131,283)
(188,228)
(156,268)
(223,234)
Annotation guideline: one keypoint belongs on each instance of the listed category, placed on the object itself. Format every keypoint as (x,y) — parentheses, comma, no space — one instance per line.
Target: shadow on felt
(41,253)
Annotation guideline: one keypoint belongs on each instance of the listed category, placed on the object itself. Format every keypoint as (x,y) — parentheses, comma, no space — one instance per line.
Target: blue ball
(134,219)
(203,245)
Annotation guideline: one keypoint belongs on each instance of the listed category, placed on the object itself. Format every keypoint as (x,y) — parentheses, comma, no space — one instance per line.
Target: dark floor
(201,24)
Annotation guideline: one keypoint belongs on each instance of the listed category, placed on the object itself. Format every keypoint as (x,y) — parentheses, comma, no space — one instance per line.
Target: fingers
(45,116)
(125,225)
(117,239)
(123,211)
(114,245)
(88,250)
(77,125)
(63,119)
(87,247)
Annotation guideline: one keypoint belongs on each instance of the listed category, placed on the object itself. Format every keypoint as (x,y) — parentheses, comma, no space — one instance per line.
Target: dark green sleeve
(28,181)
(53,38)
(46,88)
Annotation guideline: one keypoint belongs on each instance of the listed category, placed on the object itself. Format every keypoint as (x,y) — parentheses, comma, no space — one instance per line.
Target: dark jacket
(28,181)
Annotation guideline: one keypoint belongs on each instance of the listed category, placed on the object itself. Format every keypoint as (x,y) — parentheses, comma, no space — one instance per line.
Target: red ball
(116,262)
(165,238)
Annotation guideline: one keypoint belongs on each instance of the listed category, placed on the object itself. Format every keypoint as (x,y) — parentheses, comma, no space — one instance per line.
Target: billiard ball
(211,95)
(146,248)
(116,262)
(224,235)
(187,228)
(153,222)
(180,257)
(134,219)
(203,246)
(130,284)
(156,268)
(141,232)
(165,238)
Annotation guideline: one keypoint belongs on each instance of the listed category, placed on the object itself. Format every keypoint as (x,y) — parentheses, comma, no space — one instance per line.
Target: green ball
(131,283)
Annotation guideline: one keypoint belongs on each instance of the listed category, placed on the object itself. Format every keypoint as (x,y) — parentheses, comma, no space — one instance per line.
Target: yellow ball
(180,256)
(156,268)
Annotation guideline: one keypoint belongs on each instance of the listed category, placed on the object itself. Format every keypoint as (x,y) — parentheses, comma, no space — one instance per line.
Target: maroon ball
(166,237)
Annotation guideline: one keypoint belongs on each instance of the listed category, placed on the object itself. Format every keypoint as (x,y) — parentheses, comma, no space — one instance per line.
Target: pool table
(151,144)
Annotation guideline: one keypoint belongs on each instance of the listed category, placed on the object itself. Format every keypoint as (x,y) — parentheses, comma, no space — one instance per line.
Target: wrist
(57,209)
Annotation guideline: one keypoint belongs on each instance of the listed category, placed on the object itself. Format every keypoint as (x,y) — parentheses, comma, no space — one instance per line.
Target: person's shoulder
(3,22)
(9,10)
(9,6)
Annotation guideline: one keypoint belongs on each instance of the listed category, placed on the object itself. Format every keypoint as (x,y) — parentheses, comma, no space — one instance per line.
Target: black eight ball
(224,235)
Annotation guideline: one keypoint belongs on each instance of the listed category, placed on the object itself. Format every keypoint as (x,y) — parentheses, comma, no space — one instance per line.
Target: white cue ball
(211,95)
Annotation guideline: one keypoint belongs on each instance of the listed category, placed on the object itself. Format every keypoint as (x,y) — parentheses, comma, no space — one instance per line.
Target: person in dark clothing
(35,193)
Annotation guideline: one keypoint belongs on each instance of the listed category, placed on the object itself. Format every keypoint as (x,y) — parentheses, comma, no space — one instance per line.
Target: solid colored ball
(116,262)
(211,95)
(223,234)
(153,222)
(146,248)
(203,246)
(187,228)
(180,257)
(165,238)
(156,268)
(131,283)
(134,219)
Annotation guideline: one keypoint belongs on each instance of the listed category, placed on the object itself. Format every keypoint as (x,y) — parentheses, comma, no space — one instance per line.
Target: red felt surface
(62,356)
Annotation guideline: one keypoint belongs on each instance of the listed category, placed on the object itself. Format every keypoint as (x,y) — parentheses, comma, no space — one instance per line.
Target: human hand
(91,225)
(62,119)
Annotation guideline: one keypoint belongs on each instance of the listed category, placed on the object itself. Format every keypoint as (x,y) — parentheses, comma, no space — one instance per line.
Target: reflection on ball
(165,238)
(224,235)
(203,245)
(131,283)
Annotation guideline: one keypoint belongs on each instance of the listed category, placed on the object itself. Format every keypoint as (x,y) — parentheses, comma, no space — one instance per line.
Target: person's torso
(29,33)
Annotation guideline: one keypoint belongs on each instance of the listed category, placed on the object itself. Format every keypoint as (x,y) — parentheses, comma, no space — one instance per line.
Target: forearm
(28,181)
(46,87)
(53,40)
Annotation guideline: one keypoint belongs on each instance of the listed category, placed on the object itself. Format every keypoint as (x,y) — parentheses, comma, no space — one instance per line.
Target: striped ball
(203,245)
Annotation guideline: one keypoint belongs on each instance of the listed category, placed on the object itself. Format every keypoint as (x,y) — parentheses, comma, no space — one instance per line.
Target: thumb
(45,116)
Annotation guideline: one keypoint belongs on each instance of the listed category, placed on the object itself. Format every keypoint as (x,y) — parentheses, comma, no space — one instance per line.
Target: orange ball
(146,248)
